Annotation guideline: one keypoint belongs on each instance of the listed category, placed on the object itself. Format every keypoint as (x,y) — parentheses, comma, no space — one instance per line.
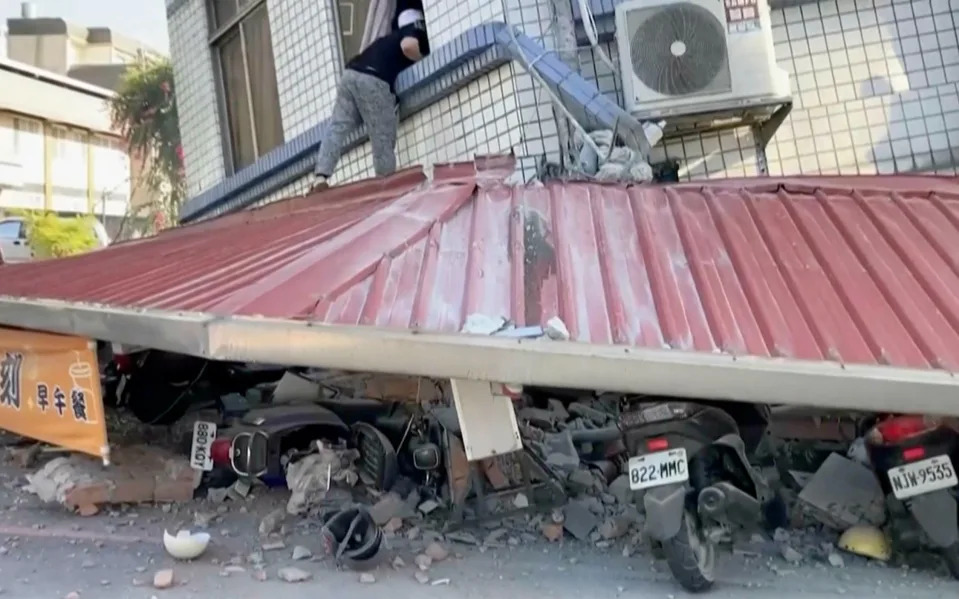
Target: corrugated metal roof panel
(856,270)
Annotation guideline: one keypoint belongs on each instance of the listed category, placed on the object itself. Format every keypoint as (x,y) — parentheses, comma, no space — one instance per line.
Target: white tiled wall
(874,81)
(481,118)
(308,62)
(875,88)
(196,96)
(447,19)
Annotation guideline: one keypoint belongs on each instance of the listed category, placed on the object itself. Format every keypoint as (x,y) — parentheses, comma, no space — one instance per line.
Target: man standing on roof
(366,96)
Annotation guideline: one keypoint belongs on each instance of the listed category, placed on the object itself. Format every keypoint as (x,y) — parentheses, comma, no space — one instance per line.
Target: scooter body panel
(936,514)
(664,511)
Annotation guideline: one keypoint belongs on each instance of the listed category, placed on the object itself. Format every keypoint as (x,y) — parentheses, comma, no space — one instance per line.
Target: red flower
(179,153)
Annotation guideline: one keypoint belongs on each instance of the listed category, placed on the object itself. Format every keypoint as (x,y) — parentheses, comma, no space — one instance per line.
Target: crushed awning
(832,291)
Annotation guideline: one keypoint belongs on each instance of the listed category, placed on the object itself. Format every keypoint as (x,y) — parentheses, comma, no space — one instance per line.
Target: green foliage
(144,110)
(54,236)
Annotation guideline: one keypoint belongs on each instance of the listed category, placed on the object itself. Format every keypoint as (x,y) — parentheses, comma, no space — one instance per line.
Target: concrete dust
(117,554)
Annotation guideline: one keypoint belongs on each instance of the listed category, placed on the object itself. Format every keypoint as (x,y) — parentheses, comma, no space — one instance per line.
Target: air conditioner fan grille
(679,50)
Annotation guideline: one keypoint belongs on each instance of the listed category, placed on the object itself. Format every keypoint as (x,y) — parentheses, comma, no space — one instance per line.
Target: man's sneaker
(320,184)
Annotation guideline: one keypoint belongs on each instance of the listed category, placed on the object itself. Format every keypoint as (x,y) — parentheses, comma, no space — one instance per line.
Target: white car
(15,247)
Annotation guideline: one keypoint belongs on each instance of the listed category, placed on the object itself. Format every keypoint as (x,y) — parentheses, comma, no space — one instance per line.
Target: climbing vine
(144,110)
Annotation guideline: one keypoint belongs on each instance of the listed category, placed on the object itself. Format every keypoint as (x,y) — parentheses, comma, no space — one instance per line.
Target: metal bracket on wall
(763,133)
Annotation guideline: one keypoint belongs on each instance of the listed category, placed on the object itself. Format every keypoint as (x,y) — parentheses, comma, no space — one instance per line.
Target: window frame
(338,27)
(217,34)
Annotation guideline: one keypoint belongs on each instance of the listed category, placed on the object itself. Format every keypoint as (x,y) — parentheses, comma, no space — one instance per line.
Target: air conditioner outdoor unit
(681,57)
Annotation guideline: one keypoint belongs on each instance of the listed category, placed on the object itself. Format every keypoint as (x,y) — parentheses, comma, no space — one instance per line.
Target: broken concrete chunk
(556,329)
(436,552)
(552,531)
(274,545)
(139,474)
(789,554)
(520,501)
(291,574)
(310,477)
(462,537)
(423,561)
(495,536)
(429,506)
(367,578)
(619,489)
(844,493)
(556,406)
(393,525)
(272,522)
(580,481)
(539,417)
(421,577)
(301,553)
(579,520)
(597,417)
(563,462)
(163,579)
(390,506)
(614,527)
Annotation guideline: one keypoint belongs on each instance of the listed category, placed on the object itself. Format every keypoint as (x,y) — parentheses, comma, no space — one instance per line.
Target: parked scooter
(690,462)
(914,458)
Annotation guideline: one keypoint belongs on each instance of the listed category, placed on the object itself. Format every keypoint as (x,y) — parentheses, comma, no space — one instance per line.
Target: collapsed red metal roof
(854,270)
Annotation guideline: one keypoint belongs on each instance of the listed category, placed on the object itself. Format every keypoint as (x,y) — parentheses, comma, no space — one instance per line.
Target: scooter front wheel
(690,556)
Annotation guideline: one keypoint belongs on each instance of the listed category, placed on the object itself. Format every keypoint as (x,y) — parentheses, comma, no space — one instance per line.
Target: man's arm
(411,48)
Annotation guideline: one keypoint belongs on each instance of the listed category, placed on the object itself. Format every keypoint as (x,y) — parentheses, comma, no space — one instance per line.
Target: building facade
(97,55)
(58,149)
(874,86)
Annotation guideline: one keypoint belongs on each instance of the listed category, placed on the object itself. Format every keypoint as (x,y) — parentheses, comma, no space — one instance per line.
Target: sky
(142,20)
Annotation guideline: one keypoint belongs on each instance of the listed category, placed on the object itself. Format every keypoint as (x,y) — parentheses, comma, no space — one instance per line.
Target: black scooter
(689,460)
(915,459)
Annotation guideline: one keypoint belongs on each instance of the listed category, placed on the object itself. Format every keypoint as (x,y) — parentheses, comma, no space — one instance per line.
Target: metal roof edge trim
(179,332)
(537,361)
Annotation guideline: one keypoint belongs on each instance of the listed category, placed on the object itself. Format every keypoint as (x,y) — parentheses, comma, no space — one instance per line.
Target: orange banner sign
(50,390)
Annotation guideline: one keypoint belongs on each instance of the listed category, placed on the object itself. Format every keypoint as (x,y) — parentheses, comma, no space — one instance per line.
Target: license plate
(201,456)
(922,477)
(657,469)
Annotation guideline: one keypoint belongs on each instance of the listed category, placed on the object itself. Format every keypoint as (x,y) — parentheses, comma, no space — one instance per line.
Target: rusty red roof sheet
(855,269)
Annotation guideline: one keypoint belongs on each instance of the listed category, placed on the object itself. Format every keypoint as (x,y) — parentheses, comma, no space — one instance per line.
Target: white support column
(487,419)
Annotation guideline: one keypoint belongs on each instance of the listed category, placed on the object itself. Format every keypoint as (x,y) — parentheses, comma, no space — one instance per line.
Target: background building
(873,83)
(96,55)
(58,148)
